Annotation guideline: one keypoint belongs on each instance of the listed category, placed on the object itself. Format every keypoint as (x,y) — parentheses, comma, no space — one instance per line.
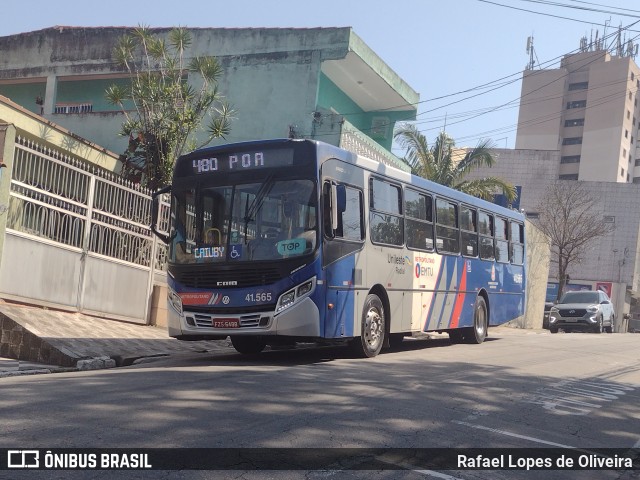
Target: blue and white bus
(283,241)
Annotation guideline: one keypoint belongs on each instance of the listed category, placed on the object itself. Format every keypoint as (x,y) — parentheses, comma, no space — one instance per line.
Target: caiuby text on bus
(283,241)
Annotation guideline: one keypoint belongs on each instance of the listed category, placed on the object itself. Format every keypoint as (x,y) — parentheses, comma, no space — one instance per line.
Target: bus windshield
(270,220)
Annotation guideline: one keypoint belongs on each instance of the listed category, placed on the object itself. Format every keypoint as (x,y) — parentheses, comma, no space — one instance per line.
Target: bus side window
(447,233)
(485,228)
(386,224)
(350,224)
(419,220)
(516,253)
(469,231)
(502,241)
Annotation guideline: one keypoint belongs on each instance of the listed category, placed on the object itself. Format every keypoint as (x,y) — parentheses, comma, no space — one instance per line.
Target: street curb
(19,373)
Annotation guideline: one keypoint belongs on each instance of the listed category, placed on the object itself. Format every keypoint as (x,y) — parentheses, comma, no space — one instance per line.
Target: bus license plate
(226,323)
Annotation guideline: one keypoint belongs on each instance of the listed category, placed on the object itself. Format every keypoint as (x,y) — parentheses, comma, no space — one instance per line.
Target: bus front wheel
(372,330)
(248,345)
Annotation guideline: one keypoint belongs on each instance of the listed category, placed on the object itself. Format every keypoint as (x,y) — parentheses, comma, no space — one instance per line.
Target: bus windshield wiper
(251,210)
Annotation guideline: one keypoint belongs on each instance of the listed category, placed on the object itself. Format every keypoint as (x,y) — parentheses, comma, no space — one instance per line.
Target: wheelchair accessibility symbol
(236,252)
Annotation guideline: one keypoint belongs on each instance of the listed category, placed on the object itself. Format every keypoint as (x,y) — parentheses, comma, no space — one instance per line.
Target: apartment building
(588,110)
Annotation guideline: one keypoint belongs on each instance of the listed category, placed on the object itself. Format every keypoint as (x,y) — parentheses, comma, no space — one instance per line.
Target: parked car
(585,311)
(545,318)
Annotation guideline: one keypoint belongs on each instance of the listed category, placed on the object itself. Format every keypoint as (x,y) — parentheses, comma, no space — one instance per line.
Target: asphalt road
(517,390)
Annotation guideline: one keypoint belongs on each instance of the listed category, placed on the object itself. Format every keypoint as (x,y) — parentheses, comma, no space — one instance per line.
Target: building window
(568,176)
(628,115)
(570,159)
(621,172)
(636,179)
(637,162)
(626,134)
(576,104)
(578,122)
(624,152)
(578,86)
(533,215)
(572,141)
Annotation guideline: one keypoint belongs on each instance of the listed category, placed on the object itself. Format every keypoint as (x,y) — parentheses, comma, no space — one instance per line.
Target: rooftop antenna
(531,53)
(619,47)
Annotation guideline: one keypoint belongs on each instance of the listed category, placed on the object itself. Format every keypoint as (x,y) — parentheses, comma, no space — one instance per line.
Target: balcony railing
(67,108)
(357,142)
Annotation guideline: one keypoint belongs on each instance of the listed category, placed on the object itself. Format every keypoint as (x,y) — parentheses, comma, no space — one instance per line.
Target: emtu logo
(23,459)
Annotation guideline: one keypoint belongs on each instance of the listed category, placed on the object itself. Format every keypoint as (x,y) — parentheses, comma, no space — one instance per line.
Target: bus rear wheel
(372,330)
(478,332)
(248,345)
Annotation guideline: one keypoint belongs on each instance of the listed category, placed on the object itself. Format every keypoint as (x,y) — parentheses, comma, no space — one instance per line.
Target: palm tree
(439,163)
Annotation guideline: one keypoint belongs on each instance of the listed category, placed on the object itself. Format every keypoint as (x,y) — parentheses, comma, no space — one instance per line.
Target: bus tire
(372,328)
(478,332)
(248,345)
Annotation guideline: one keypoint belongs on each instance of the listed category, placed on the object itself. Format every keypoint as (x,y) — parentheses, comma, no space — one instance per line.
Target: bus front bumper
(299,320)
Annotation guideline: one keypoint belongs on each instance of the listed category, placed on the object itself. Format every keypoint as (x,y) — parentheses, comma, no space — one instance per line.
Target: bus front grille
(238,277)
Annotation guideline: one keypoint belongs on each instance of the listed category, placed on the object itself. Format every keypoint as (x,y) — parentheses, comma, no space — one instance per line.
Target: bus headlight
(293,296)
(175,301)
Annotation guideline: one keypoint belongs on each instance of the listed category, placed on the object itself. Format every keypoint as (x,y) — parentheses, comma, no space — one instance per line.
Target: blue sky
(440,48)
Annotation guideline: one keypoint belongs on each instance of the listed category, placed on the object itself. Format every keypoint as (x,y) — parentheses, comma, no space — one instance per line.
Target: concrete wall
(538,257)
(541,105)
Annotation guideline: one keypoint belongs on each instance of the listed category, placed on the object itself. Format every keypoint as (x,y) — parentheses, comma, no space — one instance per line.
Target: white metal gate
(78,238)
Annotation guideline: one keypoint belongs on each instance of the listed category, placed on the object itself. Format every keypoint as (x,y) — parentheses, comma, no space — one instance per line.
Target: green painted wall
(24,94)
(377,125)
(89,91)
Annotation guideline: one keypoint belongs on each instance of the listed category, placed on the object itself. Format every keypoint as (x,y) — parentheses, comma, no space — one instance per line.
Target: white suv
(584,310)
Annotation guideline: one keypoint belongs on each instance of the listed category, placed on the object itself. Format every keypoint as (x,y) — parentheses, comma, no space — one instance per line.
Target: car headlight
(592,308)
(294,295)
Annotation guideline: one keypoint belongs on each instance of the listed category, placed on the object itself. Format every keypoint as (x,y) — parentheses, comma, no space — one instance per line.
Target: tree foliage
(163,109)
(439,163)
(571,218)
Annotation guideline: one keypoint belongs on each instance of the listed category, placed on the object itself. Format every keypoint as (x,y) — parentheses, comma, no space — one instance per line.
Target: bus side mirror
(338,203)
(155,209)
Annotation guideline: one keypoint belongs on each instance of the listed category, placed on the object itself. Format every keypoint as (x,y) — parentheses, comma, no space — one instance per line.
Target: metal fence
(67,208)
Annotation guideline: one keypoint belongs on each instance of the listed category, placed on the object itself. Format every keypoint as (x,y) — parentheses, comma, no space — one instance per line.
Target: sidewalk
(48,341)
(51,341)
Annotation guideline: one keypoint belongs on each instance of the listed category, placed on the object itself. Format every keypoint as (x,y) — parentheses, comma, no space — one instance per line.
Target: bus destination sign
(231,162)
